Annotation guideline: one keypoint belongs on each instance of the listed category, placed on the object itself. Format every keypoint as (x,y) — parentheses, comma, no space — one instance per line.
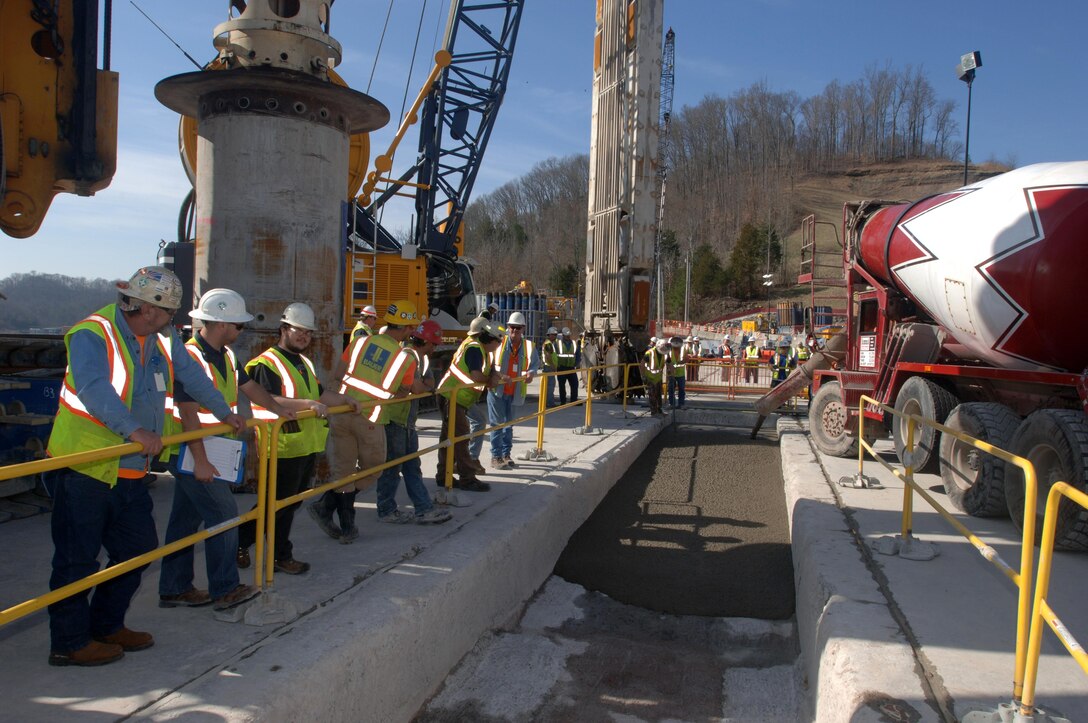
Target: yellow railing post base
(539,455)
(588,430)
(1010,713)
(861,481)
(450,498)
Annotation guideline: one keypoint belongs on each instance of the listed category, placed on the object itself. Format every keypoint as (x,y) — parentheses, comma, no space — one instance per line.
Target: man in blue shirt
(122,362)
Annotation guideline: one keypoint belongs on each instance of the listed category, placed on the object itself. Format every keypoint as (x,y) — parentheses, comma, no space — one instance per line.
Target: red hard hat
(429,330)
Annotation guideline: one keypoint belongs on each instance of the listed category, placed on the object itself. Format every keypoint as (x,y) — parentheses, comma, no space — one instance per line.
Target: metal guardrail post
(588,428)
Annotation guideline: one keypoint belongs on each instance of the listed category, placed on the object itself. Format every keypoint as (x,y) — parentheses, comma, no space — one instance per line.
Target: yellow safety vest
(551,359)
(227,386)
(361,329)
(458,374)
(751,356)
(376,368)
(312,433)
(655,364)
(75,429)
(678,356)
(565,354)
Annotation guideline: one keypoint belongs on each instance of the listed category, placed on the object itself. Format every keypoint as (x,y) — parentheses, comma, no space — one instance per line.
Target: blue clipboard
(227,455)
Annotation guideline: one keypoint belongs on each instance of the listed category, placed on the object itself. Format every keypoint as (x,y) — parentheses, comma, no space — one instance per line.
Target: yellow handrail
(1021,579)
(1040,609)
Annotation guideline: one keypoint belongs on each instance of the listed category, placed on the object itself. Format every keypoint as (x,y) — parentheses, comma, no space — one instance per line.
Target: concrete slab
(886,636)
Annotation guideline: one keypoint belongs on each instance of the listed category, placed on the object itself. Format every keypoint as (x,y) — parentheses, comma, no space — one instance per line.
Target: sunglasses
(239,327)
(515,327)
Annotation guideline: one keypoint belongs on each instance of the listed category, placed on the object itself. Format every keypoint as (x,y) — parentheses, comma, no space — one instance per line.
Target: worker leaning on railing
(122,362)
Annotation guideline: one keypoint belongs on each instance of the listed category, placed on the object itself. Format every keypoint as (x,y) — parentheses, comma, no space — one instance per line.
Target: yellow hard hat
(401,313)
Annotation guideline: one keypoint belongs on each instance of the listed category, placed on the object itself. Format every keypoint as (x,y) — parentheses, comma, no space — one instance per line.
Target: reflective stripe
(389,377)
(260,412)
(117,369)
(204,416)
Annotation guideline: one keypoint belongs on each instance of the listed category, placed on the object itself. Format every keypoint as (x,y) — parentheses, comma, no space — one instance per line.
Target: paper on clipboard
(228,456)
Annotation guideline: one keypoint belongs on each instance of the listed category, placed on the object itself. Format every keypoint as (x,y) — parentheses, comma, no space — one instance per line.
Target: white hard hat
(653,339)
(369,310)
(222,305)
(690,338)
(695,338)
(492,306)
(662,344)
(480,325)
(552,330)
(516,319)
(156,285)
(566,331)
(299,315)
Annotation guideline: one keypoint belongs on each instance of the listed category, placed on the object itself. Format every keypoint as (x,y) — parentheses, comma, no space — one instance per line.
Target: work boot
(321,510)
(129,640)
(346,509)
(191,598)
(476,466)
(93,653)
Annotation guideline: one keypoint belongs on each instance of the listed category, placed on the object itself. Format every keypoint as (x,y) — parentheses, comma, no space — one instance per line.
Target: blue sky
(1029,101)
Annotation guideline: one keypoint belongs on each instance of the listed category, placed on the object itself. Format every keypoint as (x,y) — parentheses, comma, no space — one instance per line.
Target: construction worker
(751,361)
(781,363)
(289,376)
(653,366)
(549,351)
(402,439)
(372,369)
(367,324)
(676,363)
(198,496)
(122,363)
(490,312)
(516,360)
(471,364)
(566,361)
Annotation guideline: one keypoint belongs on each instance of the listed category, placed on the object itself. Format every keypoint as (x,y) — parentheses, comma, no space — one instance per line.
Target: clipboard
(227,455)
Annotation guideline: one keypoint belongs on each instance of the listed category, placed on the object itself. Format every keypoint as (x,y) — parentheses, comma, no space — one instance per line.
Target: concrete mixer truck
(967,308)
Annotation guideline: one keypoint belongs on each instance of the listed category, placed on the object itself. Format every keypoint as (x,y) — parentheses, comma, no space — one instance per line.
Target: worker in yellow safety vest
(751,362)
(122,362)
(550,360)
(567,356)
(676,362)
(471,365)
(653,366)
(201,494)
(373,369)
(367,323)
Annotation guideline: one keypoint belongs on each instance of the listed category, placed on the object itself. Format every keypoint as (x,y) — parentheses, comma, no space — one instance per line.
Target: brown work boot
(476,466)
(237,596)
(93,653)
(191,598)
(291,566)
(243,558)
(129,640)
(471,484)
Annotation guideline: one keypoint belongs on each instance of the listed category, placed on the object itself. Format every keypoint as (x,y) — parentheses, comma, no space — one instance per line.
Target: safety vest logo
(375,357)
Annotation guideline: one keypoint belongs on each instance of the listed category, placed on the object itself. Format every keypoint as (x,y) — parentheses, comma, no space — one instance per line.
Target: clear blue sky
(1029,100)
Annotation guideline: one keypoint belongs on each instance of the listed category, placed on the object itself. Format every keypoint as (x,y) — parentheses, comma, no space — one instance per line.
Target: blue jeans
(500,408)
(87,516)
(399,441)
(477,420)
(674,384)
(210,503)
(550,384)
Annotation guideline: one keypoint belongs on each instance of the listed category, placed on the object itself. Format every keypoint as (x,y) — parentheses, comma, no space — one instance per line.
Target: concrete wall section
(377,651)
(857,661)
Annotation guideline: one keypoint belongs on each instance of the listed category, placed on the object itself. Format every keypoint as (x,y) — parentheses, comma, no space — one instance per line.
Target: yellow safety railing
(53,463)
(267,506)
(1040,610)
(1022,578)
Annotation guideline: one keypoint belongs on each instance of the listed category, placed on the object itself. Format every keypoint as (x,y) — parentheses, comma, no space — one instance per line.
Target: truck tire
(926,399)
(1055,441)
(974,480)
(827,420)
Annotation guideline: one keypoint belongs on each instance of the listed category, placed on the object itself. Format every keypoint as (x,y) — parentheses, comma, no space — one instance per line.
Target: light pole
(965,71)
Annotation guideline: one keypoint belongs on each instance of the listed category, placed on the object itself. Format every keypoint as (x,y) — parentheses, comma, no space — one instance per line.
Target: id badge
(160,382)
(517,369)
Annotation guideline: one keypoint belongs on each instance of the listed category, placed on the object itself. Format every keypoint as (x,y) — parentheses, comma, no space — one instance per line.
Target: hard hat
(369,310)
(566,331)
(299,315)
(156,285)
(552,330)
(676,342)
(653,339)
(481,325)
(690,338)
(516,319)
(222,305)
(492,306)
(662,344)
(695,338)
(783,343)
(429,330)
(401,313)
